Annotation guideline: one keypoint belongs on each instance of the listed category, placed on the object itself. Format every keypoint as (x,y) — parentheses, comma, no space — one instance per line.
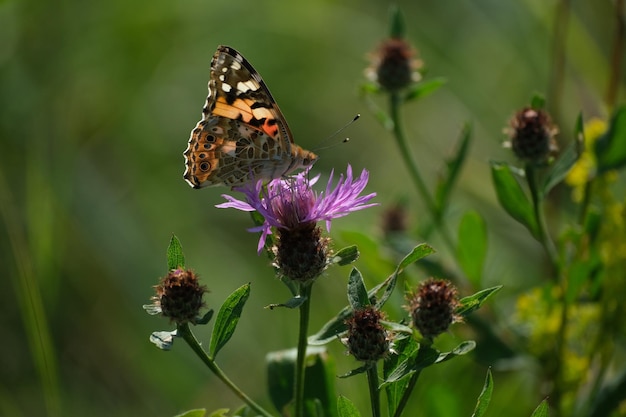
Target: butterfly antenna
(341,129)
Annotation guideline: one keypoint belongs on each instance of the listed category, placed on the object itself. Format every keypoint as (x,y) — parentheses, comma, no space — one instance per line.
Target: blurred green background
(97,102)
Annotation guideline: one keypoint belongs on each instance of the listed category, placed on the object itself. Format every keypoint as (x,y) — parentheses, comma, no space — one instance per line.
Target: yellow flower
(584,169)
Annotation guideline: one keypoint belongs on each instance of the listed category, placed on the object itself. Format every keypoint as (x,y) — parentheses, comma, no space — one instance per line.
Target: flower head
(393,65)
(532,135)
(367,340)
(287,203)
(432,307)
(179,296)
(293,208)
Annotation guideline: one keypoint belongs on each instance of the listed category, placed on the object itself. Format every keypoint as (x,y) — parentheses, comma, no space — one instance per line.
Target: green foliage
(227,319)
(512,197)
(610,149)
(320,379)
(175,256)
(485,396)
(357,294)
(346,408)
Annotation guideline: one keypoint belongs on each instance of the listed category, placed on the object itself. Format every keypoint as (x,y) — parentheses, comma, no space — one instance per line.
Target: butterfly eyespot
(207,146)
(202,155)
(205,166)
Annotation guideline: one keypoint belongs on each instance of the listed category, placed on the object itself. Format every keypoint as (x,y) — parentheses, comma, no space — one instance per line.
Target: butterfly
(243,136)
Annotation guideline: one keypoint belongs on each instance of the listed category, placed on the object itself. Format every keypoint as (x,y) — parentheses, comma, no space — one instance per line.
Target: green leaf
(485,396)
(357,294)
(405,348)
(462,349)
(424,357)
(227,319)
(204,319)
(610,148)
(396,23)
(424,88)
(541,410)
(163,340)
(453,168)
(346,256)
(346,408)
(201,412)
(418,252)
(175,257)
(472,247)
(511,196)
(566,160)
(538,101)
(292,303)
(469,304)
(357,371)
(319,383)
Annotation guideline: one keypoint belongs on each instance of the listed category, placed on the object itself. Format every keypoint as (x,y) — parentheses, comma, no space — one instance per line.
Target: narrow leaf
(485,396)
(472,246)
(357,371)
(227,319)
(566,160)
(346,408)
(416,254)
(511,196)
(611,147)
(453,168)
(473,302)
(292,303)
(357,294)
(460,350)
(205,318)
(175,257)
(541,410)
(346,256)
(405,348)
(538,101)
(424,88)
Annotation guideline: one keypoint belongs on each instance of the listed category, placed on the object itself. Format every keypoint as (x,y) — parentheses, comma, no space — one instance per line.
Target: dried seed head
(179,296)
(367,339)
(301,252)
(432,307)
(532,135)
(394,66)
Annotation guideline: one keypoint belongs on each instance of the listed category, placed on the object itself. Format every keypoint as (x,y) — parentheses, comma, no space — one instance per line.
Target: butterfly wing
(243,135)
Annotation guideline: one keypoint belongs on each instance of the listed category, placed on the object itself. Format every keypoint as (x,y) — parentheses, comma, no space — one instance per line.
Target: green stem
(617,55)
(305,309)
(372,379)
(398,133)
(407,394)
(185,332)
(544,236)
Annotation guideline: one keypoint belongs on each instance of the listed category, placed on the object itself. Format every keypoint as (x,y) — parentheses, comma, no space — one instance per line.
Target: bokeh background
(97,102)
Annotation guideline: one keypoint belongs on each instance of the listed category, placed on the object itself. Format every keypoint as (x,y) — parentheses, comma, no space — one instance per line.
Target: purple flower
(288,203)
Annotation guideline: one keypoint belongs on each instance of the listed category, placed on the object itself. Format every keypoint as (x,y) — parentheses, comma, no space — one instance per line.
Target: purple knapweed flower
(293,208)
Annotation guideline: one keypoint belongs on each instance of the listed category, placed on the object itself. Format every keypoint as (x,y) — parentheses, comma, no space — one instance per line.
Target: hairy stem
(305,309)
(185,332)
(372,379)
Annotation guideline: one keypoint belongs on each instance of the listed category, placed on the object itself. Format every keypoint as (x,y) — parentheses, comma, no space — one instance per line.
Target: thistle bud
(393,65)
(179,296)
(367,339)
(532,135)
(432,307)
(301,252)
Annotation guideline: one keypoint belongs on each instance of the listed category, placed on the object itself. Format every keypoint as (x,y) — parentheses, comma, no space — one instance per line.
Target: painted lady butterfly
(243,136)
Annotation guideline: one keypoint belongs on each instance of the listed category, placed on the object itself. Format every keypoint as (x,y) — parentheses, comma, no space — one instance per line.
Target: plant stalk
(305,309)
(372,379)
(185,332)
